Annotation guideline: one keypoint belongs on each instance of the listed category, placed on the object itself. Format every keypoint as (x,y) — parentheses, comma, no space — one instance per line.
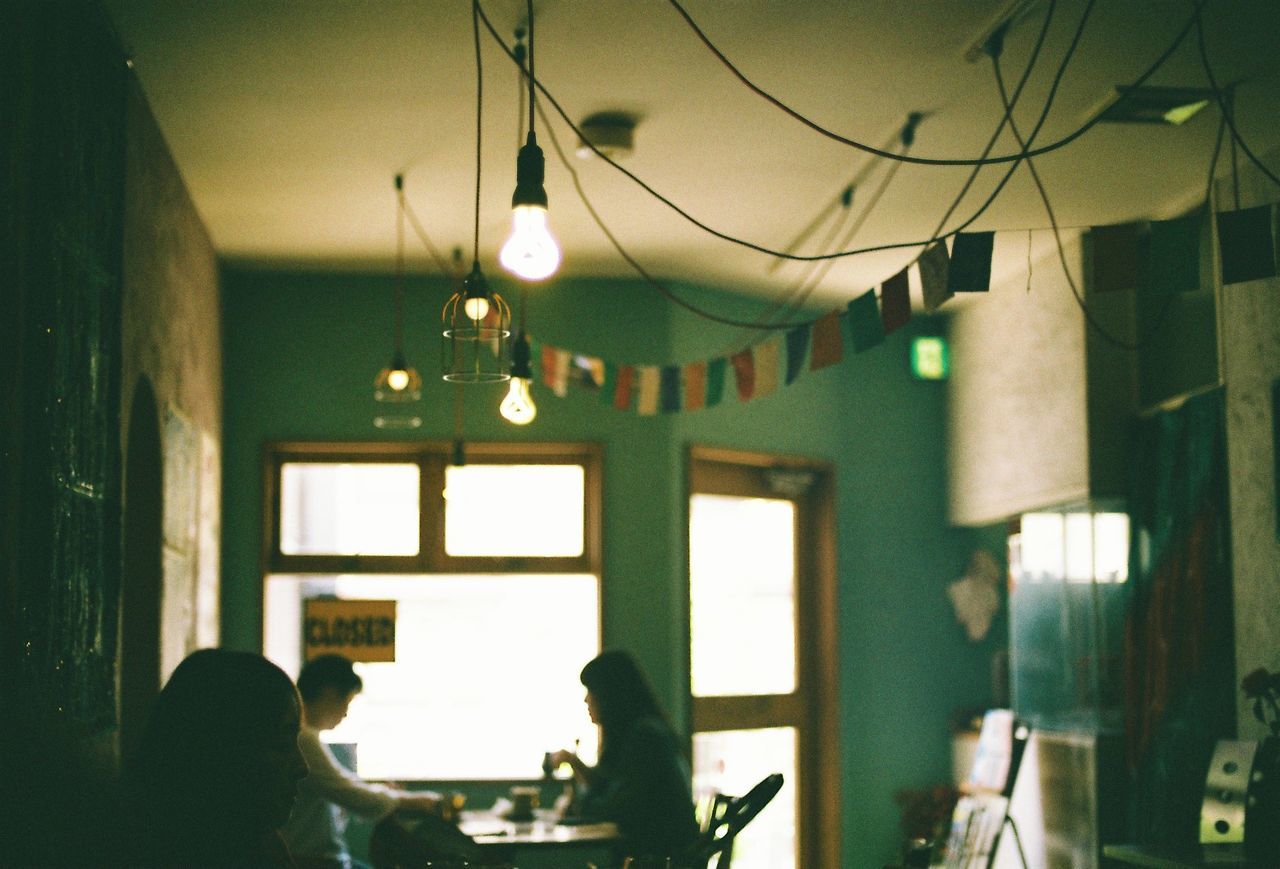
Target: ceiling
(289,120)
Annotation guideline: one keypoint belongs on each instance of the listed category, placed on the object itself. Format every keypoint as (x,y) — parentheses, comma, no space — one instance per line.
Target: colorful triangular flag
(744,373)
(765,364)
(1247,244)
(933,265)
(648,378)
(609,386)
(716,370)
(970,268)
(669,389)
(1173,255)
(622,392)
(828,345)
(895,302)
(864,322)
(695,386)
(1116,263)
(797,346)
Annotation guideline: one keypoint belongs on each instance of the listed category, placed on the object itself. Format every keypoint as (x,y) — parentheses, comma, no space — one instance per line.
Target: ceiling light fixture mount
(1172,106)
(609,133)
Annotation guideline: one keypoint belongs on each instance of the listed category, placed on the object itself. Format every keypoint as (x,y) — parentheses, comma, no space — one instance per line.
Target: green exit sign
(930,358)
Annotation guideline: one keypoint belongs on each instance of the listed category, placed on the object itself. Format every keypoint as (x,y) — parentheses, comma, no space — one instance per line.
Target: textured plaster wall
(1016,412)
(171,336)
(1250,322)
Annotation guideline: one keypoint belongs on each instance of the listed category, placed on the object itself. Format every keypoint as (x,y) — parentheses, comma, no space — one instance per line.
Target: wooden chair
(724,820)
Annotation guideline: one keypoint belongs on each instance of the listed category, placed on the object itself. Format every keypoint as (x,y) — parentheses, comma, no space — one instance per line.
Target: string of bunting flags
(1156,256)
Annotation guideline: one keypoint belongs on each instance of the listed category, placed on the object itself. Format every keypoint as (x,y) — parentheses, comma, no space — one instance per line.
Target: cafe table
(540,842)
(543,835)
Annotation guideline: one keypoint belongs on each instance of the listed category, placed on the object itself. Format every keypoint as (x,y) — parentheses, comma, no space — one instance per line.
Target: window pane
(540,508)
(348,509)
(486,673)
(732,762)
(742,595)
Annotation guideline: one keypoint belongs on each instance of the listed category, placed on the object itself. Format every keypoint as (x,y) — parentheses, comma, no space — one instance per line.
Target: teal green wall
(300,353)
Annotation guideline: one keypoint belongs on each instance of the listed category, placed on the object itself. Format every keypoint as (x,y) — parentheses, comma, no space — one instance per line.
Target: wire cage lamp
(476,321)
(477,333)
(398,385)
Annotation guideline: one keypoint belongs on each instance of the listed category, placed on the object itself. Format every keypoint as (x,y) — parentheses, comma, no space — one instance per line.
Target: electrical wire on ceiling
(658,285)
(994,47)
(908,138)
(1061,249)
(1223,104)
(838,254)
(925,161)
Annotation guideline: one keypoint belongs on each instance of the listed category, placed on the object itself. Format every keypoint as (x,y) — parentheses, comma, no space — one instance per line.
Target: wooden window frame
(431,457)
(814,705)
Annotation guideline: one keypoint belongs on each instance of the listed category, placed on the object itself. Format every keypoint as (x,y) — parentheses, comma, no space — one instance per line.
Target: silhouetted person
(642,780)
(217,771)
(328,684)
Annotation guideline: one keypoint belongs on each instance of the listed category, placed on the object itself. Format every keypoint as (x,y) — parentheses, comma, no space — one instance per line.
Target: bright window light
(348,509)
(536,509)
(1078,547)
(486,672)
(742,595)
(1111,547)
(1043,541)
(732,762)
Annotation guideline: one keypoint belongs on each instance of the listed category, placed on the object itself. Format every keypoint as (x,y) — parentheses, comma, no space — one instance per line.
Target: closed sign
(359,630)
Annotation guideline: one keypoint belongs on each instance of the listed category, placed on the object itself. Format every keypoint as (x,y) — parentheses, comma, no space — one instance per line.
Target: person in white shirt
(314,832)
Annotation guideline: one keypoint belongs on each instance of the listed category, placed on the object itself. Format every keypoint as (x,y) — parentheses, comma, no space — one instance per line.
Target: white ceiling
(290,118)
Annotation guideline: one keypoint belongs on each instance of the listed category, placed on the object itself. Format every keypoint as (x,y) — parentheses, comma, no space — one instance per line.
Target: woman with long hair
(216,774)
(642,780)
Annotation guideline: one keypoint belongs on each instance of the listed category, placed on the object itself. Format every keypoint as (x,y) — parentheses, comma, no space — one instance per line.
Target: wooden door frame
(816,700)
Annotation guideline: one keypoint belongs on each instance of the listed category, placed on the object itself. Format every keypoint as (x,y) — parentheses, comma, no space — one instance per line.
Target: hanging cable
(834,255)
(1057,236)
(630,260)
(432,250)
(907,137)
(926,161)
(1223,106)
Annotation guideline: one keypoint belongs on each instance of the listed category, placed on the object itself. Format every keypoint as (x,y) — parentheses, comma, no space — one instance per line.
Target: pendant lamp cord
(532,77)
(475,32)
(399,264)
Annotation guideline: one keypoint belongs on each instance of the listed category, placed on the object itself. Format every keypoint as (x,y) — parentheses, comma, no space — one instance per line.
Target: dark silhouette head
(328,671)
(619,689)
(218,765)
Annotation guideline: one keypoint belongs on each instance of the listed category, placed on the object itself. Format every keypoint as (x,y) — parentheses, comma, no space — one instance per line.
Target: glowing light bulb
(530,252)
(398,379)
(518,406)
(477,307)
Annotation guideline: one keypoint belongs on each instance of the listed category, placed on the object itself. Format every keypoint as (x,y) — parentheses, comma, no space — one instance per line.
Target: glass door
(762,649)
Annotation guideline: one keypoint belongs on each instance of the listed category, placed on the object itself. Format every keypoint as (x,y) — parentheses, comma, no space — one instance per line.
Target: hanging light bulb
(531,252)
(518,406)
(475,292)
(397,379)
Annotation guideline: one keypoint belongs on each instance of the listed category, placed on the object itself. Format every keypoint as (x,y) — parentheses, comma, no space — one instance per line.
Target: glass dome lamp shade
(531,252)
(398,381)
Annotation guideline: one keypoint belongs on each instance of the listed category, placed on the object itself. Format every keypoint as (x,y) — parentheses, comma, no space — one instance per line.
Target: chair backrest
(726,818)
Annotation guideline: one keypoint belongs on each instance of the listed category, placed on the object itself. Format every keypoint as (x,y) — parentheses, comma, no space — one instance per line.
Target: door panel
(762,648)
